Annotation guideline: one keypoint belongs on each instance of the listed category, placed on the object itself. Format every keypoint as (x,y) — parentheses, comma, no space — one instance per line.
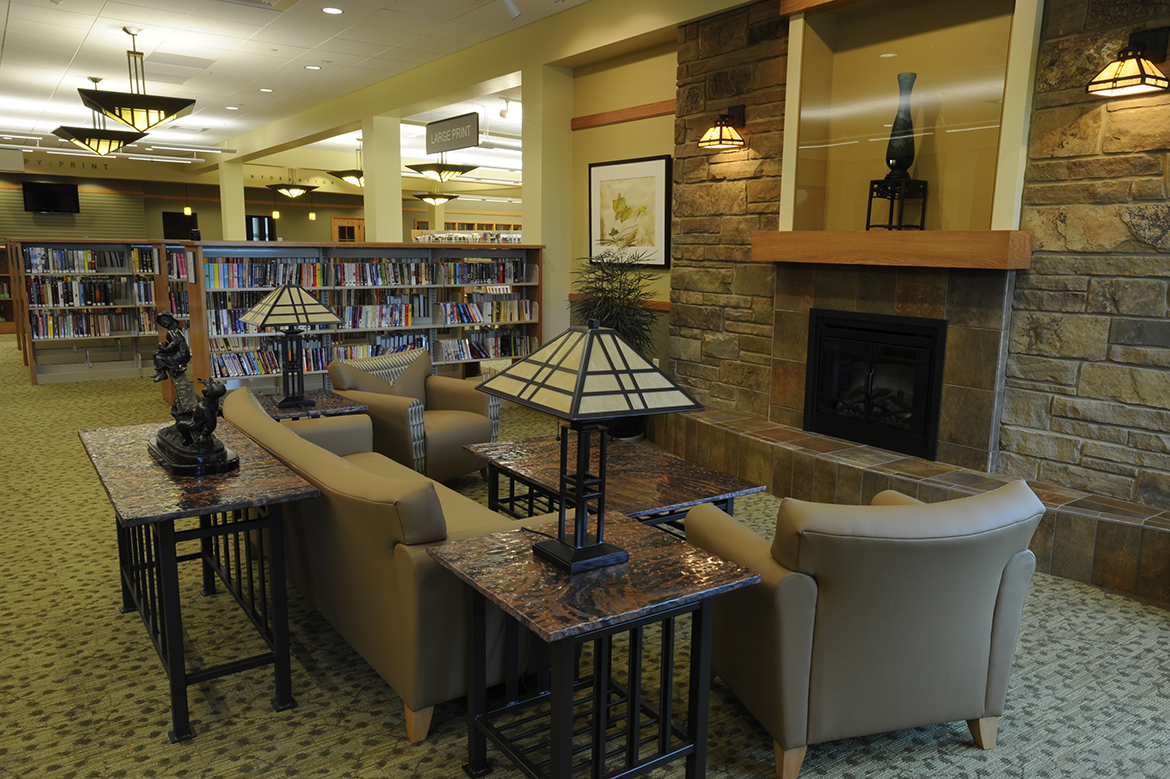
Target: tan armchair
(420,420)
(874,618)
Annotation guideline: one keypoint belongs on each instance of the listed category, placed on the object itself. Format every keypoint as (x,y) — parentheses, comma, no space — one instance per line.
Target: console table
(241,542)
(640,482)
(626,734)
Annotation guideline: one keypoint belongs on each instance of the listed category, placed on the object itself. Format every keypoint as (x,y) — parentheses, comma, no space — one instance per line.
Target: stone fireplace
(976,305)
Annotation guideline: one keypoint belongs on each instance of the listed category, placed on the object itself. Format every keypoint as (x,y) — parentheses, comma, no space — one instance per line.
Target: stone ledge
(1098,540)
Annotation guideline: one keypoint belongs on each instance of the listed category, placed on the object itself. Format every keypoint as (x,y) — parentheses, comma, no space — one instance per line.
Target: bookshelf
(86,308)
(464,303)
(7,300)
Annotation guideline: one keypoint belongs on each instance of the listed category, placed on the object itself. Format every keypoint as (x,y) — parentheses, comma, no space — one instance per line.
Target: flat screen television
(48,198)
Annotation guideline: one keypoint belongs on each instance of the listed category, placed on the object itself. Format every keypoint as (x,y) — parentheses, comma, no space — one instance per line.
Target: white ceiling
(223,52)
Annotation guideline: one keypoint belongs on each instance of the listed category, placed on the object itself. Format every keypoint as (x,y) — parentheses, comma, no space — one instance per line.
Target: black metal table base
(243,550)
(591,724)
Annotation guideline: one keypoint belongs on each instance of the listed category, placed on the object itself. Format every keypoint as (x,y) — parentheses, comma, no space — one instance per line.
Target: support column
(436,216)
(382,163)
(233,215)
(548,170)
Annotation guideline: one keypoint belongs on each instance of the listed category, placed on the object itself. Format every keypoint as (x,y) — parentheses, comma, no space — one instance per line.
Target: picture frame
(630,205)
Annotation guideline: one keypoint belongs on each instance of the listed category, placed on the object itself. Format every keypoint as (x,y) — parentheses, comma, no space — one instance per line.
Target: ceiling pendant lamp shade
(436,199)
(441,171)
(291,190)
(356,176)
(135,108)
(140,111)
(1130,74)
(589,373)
(723,134)
(99,141)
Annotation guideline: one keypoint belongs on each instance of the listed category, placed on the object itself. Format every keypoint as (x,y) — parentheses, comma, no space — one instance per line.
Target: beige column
(233,216)
(382,163)
(547,189)
(436,216)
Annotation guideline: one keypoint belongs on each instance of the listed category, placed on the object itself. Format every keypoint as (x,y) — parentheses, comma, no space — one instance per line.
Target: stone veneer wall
(721,304)
(1087,403)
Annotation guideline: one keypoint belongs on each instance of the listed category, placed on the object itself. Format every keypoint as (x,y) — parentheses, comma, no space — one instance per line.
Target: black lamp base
(293,401)
(574,560)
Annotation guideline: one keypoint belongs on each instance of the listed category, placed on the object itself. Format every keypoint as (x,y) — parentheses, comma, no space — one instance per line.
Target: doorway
(349,229)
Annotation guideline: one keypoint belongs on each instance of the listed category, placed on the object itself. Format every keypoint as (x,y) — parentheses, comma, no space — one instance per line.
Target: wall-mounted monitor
(48,198)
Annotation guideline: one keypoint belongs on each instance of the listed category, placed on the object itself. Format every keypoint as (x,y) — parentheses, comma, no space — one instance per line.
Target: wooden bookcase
(7,296)
(390,296)
(86,307)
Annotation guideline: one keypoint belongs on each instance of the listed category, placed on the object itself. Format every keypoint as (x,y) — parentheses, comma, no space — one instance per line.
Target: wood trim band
(986,249)
(632,114)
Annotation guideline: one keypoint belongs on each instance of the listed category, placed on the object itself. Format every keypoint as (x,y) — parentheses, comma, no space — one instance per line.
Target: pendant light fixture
(291,189)
(312,212)
(1134,71)
(135,108)
(97,139)
(186,202)
(442,170)
(356,176)
(436,198)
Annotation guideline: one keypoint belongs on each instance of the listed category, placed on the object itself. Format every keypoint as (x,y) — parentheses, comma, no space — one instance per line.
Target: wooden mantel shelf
(985,249)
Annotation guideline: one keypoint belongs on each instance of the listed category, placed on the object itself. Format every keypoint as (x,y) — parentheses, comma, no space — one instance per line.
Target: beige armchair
(420,420)
(874,618)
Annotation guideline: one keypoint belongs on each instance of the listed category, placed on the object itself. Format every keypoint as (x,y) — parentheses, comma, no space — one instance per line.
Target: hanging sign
(458,132)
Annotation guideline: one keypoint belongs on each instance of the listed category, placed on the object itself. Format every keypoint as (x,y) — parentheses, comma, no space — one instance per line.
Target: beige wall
(851,96)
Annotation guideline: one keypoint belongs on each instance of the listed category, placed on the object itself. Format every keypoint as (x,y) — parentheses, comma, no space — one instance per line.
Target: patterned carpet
(82,693)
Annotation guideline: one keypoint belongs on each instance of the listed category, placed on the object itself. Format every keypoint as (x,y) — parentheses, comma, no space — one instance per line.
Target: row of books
(180,303)
(264,362)
(342,298)
(43,259)
(474,237)
(486,348)
(246,273)
(379,343)
(178,267)
(491,311)
(394,315)
(65,292)
(5,290)
(82,324)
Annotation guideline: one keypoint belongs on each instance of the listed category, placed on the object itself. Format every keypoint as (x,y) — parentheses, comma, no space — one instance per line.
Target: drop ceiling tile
(198,44)
(152,19)
(433,45)
(300,30)
(50,15)
(281,50)
(438,9)
(356,49)
(217,26)
(466,33)
(379,35)
(402,23)
(234,12)
(42,57)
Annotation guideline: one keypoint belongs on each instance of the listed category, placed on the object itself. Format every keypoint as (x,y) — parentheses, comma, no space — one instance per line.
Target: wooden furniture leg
(788,761)
(983,730)
(418,723)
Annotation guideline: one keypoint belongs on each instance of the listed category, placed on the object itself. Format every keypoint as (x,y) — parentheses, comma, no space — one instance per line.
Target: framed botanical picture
(629,205)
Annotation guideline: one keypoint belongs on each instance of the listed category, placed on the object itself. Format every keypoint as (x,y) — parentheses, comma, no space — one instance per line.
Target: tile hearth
(1098,540)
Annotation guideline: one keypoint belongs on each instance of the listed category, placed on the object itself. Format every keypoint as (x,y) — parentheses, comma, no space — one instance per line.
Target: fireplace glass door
(875,380)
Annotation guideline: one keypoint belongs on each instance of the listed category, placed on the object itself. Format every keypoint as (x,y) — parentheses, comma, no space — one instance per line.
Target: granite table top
(662,572)
(639,481)
(142,491)
(329,404)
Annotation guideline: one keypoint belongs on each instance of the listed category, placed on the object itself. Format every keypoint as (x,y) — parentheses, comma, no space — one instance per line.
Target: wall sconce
(1134,72)
(724,135)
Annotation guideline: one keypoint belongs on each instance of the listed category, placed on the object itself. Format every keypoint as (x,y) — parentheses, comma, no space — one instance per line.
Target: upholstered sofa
(420,420)
(873,618)
(358,553)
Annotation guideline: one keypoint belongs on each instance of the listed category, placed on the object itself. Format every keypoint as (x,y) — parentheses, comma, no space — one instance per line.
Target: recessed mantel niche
(970,105)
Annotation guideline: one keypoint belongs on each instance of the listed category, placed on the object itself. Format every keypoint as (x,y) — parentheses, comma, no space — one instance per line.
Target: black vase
(900,152)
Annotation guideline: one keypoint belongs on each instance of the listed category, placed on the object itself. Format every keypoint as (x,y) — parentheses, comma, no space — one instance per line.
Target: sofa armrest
(893,498)
(448,394)
(397,426)
(763,634)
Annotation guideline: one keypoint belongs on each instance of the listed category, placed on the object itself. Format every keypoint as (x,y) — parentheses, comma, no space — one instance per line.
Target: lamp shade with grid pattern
(589,373)
(289,306)
(1130,74)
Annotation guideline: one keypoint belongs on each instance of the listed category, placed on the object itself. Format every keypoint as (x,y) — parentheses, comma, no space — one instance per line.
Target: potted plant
(613,288)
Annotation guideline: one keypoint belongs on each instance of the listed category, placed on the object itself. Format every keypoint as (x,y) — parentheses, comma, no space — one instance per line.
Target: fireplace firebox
(875,379)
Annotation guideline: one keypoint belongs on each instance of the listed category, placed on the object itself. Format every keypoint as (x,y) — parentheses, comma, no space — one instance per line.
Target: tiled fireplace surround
(1103,541)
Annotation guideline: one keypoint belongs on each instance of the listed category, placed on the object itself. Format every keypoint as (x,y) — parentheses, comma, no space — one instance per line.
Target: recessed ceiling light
(232,107)
(265,89)
(312,67)
(333,11)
